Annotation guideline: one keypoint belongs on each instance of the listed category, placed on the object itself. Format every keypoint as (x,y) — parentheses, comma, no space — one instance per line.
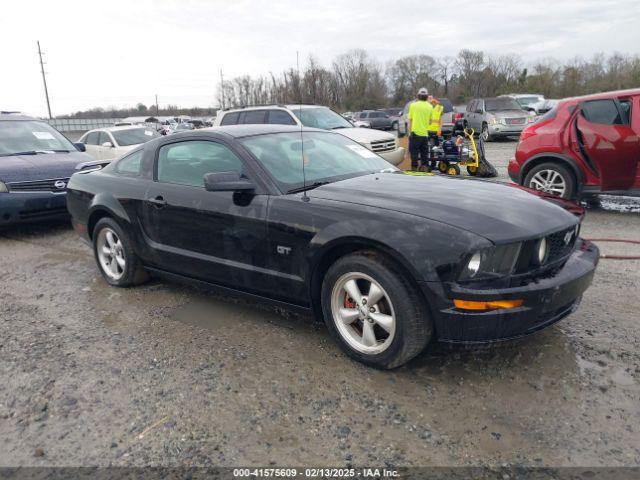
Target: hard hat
(423,91)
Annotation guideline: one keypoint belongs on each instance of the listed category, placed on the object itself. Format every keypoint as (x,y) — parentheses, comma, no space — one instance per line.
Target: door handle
(158,202)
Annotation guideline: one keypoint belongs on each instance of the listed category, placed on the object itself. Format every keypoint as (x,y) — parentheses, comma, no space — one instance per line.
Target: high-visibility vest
(436,113)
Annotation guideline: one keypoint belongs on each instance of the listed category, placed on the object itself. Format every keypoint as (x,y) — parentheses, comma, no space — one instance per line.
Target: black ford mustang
(389,260)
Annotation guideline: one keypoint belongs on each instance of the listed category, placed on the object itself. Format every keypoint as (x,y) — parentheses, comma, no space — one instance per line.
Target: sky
(119,53)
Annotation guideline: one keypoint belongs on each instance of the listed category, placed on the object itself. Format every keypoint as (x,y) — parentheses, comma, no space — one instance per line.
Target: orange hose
(617,240)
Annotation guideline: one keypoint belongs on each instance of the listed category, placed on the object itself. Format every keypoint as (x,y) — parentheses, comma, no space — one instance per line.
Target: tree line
(355,80)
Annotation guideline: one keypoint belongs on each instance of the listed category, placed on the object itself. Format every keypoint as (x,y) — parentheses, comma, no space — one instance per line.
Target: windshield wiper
(307,187)
(29,152)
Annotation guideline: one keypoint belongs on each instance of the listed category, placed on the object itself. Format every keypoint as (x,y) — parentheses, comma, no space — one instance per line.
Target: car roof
(604,95)
(239,131)
(116,129)
(276,106)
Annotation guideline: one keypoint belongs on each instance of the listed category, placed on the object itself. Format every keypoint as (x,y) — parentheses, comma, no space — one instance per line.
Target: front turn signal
(491,305)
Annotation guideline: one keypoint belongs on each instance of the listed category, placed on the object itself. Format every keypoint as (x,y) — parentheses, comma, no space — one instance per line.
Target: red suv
(582,147)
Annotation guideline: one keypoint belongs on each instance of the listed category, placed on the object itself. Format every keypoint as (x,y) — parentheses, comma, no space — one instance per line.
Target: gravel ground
(167,375)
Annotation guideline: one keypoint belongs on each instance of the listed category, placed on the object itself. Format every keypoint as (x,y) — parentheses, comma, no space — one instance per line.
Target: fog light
(490,305)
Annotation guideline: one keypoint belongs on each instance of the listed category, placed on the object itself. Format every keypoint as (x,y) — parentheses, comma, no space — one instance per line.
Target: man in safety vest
(419,120)
(435,126)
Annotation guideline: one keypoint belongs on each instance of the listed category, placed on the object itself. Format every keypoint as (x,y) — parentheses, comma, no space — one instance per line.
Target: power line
(44,80)
(221,89)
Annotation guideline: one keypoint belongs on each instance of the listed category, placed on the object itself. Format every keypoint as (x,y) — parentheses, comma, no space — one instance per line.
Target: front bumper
(500,130)
(546,301)
(394,157)
(30,207)
(513,169)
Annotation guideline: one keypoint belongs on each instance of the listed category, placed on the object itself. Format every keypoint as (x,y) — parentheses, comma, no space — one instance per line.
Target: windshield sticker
(43,135)
(148,132)
(363,152)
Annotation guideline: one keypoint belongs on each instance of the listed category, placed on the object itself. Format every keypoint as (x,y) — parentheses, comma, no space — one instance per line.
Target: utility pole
(44,80)
(221,89)
(157,108)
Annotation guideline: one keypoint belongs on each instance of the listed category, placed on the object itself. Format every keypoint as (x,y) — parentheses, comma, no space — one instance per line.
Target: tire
(120,267)
(443,165)
(562,182)
(453,170)
(400,307)
(484,134)
(472,170)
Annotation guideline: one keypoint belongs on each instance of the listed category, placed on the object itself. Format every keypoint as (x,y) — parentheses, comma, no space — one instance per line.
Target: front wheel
(118,263)
(485,135)
(551,178)
(373,311)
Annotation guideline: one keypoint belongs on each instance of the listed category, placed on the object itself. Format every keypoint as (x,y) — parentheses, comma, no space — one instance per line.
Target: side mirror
(227,182)
(81,147)
(107,144)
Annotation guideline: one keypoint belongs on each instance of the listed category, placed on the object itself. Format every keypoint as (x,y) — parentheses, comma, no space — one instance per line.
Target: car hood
(495,211)
(43,166)
(364,135)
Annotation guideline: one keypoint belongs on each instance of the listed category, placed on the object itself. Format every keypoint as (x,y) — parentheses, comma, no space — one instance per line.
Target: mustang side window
(186,163)
(129,165)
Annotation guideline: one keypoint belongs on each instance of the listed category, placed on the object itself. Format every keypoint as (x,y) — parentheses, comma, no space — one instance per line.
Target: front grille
(516,121)
(560,244)
(383,145)
(40,185)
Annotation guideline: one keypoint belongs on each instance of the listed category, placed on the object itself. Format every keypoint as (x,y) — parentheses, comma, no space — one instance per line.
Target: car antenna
(305,198)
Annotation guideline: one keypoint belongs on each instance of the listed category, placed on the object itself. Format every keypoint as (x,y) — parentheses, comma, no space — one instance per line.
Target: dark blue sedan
(36,162)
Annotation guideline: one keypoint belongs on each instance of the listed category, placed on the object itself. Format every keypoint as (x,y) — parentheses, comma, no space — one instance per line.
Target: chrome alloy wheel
(549,181)
(111,254)
(363,313)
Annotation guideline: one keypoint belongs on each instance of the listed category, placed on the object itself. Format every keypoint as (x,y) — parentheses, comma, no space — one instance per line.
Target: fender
(564,159)
(426,250)
(107,203)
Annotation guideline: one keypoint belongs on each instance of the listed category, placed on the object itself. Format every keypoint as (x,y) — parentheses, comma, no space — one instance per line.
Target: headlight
(3,188)
(494,121)
(532,118)
(491,262)
(542,251)
(473,266)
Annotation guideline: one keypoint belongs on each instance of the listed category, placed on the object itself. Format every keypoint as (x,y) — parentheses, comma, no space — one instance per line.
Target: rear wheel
(373,311)
(551,178)
(118,263)
(443,166)
(472,170)
(453,170)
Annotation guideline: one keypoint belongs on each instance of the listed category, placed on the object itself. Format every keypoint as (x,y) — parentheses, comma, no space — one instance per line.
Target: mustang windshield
(31,137)
(328,157)
(321,117)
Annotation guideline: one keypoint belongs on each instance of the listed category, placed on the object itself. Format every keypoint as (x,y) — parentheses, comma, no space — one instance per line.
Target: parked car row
(315,116)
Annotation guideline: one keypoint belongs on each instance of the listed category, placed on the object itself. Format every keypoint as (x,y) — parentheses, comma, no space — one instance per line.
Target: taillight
(458,116)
